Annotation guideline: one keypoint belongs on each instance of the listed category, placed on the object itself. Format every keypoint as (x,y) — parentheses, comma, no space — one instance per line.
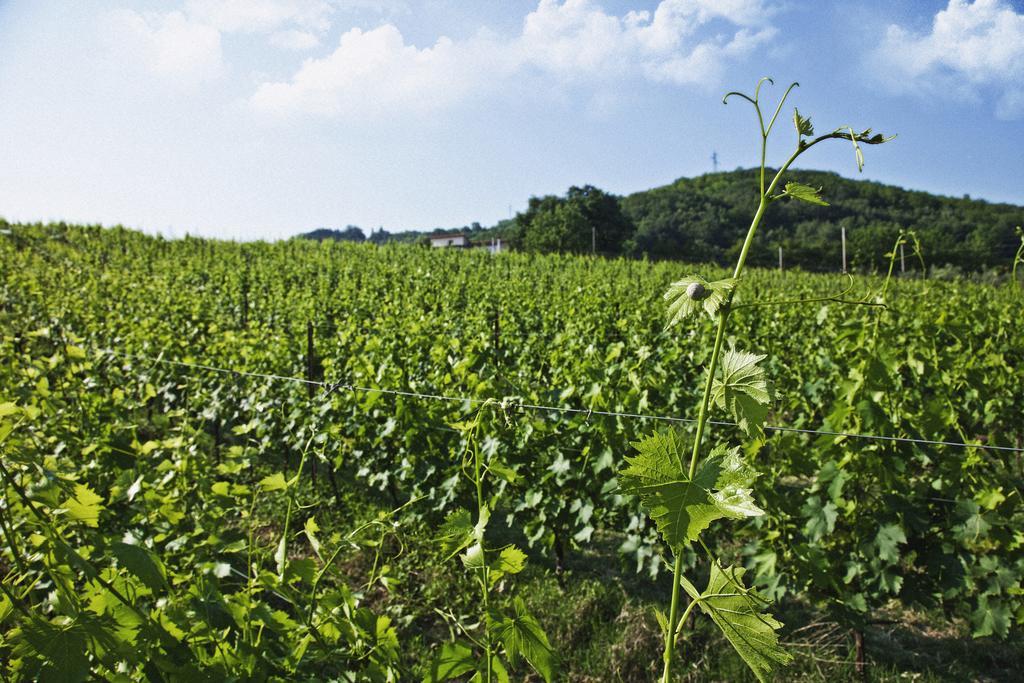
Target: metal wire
(334,386)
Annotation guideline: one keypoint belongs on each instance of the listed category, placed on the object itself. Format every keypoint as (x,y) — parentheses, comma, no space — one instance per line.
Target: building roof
(448,236)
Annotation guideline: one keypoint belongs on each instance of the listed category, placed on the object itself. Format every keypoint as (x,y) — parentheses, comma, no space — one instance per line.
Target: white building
(452,239)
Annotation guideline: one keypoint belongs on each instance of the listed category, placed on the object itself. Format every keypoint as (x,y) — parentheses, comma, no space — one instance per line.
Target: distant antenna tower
(714,160)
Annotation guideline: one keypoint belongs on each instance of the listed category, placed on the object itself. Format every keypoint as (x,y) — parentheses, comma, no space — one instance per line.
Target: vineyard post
(498,332)
(858,639)
(310,387)
(903,260)
(245,305)
(780,259)
(843,233)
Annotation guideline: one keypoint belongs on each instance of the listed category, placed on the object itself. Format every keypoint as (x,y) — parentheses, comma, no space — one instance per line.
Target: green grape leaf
(523,636)
(739,612)
(143,564)
(693,293)
(64,650)
(802,124)
(993,617)
(453,660)
(804,193)
(498,672)
(456,533)
(888,541)
(821,518)
(502,472)
(743,390)
(273,482)
(682,507)
(512,560)
(310,528)
(85,506)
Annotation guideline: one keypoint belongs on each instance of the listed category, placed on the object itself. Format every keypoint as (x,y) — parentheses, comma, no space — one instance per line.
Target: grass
(599,614)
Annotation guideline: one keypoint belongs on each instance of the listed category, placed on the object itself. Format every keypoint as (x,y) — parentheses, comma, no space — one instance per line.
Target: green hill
(705,219)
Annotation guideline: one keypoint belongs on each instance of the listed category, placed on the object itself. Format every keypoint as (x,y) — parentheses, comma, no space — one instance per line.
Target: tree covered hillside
(705,218)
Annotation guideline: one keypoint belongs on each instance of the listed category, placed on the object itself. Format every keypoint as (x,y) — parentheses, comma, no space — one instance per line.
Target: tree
(585,219)
(351,233)
(379,236)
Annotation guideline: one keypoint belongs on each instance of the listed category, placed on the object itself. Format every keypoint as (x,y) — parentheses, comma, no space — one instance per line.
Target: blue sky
(262,118)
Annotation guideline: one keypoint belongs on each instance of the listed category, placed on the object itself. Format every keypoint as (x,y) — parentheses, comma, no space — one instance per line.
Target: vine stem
(702,418)
(1017,259)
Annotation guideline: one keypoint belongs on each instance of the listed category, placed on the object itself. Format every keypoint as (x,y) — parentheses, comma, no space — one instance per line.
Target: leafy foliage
(693,293)
(176,454)
(739,612)
(804,193)
(743,390)
(586,219)
(682,506)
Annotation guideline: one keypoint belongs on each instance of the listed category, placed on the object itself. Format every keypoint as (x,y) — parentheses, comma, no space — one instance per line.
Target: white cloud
(570,41)
(972,47)
(577,38)
(184,45)
(294,39)
(370,73)
(261,16)
(171,45)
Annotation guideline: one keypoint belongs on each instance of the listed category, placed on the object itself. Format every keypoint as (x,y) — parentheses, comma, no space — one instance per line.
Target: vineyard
(257,461)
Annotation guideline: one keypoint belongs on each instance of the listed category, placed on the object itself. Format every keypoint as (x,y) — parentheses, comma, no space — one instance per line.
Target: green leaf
(502,472)
(142,563)
(739,612)
(523,636)
(456,533)
(743,390)
(453,660)
(802,124)
(310,528)
(512,560)
(75,352)
(888,541)
(273,482)
(691,294)
(993,617)
(804,193)
(64,651)
(85,506)
(680,506)
(821,519)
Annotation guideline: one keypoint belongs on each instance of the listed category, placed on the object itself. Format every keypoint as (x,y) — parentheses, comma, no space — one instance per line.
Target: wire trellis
(509,402)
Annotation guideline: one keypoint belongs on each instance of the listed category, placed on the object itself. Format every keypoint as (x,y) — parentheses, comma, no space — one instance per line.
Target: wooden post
(859,658)
(780,259)
(593,239)
(245,305)
(903,259)
(844,248)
